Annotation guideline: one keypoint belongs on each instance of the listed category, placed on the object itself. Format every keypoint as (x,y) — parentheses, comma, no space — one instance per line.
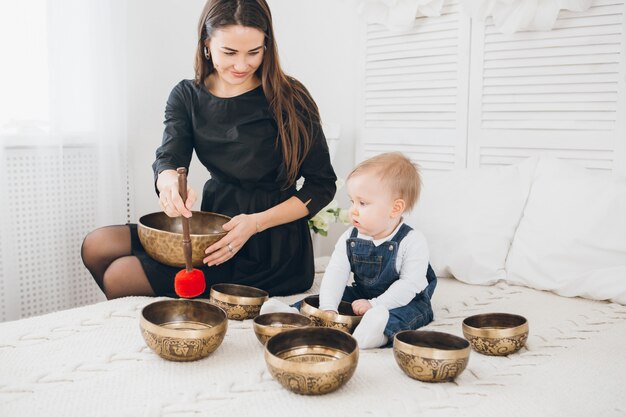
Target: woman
(257,131)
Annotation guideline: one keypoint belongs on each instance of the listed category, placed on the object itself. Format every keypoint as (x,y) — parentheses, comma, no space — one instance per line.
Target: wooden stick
(182,190)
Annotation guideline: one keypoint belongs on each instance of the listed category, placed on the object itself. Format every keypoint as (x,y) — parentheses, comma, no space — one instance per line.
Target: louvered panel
(559,92)
(598,106)
(577,21)
(428,101)
(418,37)
(493,38)
(442,92)
(564,98)
(558,42)
(431,63)
(589,158)
(557,125)
(399,70)
(552,79)
(554,61)
(416,116)
(611,67)
(556,70)
(604,116)
(428,157)
(424,46)
(540,51)
(414,78)
(415,124)
(411,79)
(400,84)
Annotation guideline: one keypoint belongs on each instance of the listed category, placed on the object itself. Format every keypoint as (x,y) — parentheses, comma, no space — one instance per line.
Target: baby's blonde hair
(397,172)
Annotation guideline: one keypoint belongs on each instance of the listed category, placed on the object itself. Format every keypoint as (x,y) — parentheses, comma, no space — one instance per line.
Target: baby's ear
(399,205)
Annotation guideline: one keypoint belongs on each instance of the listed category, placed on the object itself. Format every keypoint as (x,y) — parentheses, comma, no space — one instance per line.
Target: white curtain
(63,146)
(509,16)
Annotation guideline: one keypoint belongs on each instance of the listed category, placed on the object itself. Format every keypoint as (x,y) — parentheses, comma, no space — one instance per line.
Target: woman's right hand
(169,197)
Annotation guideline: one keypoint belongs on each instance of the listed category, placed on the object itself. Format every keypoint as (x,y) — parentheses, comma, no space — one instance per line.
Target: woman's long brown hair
(294,110)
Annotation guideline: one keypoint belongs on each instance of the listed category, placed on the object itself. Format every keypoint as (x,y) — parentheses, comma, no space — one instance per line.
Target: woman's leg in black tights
(106,253)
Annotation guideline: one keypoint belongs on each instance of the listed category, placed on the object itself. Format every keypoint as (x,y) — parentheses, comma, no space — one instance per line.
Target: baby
(393,281)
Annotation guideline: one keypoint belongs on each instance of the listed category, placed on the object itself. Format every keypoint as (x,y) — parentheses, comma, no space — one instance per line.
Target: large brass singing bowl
(240,302)
(162,236)
(496,334)
(268,325)
(345,320)
(183,330)
(312,360)
(430,356)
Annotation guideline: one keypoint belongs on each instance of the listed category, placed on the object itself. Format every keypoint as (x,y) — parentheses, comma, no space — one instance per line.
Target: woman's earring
(207,55)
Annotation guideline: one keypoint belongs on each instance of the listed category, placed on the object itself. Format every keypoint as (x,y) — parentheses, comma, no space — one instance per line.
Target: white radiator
(49,207)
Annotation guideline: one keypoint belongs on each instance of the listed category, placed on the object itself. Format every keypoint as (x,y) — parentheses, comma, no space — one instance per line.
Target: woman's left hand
(240,228)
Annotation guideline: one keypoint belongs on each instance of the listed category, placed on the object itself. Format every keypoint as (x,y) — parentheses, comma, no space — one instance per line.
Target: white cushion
(572,236)
(469,217)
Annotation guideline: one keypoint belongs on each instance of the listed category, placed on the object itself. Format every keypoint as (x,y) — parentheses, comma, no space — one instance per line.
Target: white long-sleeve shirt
(411,263)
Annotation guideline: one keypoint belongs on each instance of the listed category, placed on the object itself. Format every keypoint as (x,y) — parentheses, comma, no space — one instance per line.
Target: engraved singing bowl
(496,334)
(183,330)
(312,360)
(162,236)
(268,325)
(345,320)
(430,356)
(240,302)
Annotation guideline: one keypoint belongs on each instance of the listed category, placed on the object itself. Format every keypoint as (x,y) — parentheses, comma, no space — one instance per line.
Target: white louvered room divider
(555,92)
(455,92)
(53,204)
(414,95)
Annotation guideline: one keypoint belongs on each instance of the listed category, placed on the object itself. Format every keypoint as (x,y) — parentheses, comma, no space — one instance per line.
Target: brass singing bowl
(345,320)
(162,236)
(496,334)
(183,330)
(268,325)
(312,360)
(240,302)
(430,356)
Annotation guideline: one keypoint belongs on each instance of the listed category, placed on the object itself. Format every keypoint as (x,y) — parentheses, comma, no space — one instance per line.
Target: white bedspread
(92,361)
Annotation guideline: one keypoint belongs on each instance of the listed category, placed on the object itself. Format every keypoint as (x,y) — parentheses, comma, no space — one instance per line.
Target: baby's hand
(360,306)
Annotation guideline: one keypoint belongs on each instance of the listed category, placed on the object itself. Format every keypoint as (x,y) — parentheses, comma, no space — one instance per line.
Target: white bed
(92,361)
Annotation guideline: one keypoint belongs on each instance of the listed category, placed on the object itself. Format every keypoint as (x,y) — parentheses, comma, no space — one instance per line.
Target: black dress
(236,140)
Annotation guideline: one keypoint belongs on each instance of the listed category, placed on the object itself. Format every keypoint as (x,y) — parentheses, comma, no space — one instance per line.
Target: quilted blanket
(92,361)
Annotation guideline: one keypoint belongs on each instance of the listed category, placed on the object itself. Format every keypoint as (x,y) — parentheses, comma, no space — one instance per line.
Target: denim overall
(374,271)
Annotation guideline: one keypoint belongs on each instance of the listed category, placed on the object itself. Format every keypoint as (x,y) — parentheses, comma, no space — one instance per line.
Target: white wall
(161,45)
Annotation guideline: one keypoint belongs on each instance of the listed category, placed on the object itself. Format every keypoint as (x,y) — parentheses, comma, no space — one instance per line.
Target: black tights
(106,253)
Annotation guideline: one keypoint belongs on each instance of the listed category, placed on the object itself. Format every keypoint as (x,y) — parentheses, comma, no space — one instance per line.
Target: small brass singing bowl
(496,334)
(183,330)
(430,356)
(312,360)
(345,320)
(162,236)
(268,325)
(240,302)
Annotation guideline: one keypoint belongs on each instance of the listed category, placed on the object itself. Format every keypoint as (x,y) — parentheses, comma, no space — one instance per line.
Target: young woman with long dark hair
(257,131)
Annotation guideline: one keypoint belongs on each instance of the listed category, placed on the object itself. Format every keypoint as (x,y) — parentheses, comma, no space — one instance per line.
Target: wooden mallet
(189,282)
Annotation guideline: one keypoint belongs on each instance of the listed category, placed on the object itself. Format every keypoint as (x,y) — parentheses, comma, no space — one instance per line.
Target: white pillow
(469,217)
(572,236)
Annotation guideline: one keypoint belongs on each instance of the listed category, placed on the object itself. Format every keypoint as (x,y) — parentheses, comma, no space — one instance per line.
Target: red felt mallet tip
(189,284)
